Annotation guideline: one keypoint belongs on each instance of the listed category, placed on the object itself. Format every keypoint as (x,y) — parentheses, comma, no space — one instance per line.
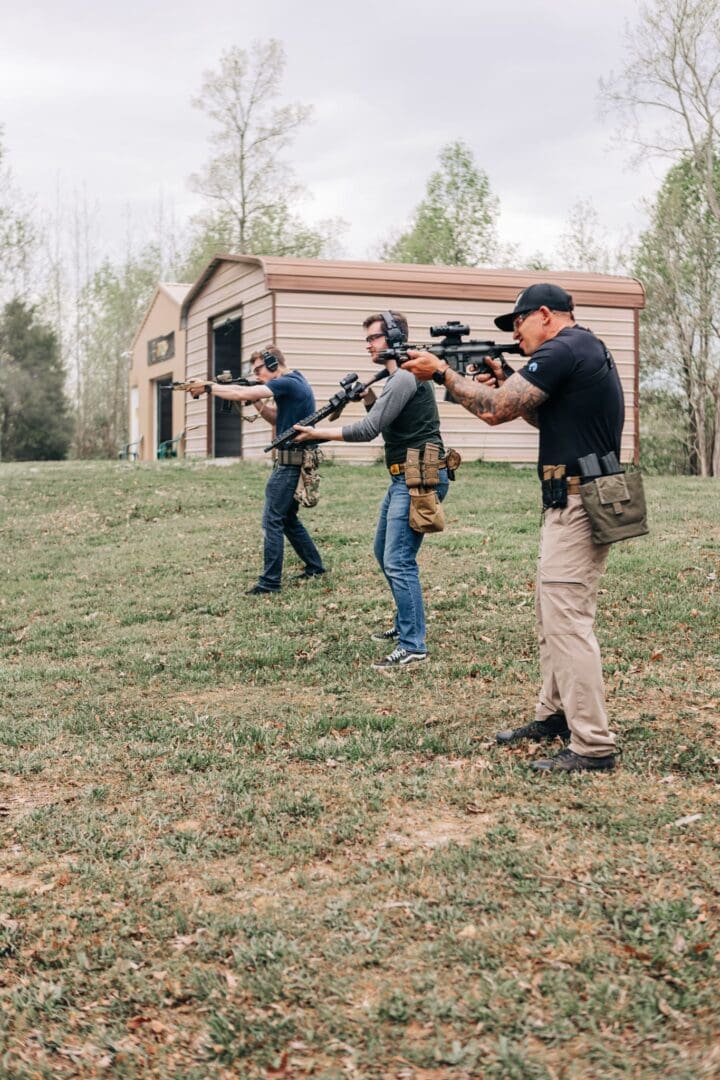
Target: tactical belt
(396,470)
(290,457)
(558,471)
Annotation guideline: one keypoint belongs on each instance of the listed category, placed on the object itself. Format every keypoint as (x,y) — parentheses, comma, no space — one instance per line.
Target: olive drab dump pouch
(616,507)
(307,491)
(426,514)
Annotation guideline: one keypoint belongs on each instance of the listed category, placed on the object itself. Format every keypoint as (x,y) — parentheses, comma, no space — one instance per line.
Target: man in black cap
(570,390)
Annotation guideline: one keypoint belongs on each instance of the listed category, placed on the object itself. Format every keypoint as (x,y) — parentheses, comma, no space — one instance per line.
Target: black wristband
(439,376)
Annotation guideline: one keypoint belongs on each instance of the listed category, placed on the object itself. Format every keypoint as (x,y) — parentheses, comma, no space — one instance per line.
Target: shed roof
(177,292)
(409,279)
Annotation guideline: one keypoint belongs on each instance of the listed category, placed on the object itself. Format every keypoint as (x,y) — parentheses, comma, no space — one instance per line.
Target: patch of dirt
(414,829)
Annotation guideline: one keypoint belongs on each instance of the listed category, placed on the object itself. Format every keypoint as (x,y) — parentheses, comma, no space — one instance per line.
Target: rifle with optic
(466,357)
(351,389)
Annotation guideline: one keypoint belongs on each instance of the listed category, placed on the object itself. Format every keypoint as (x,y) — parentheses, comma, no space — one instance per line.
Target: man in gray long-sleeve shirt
(406,415)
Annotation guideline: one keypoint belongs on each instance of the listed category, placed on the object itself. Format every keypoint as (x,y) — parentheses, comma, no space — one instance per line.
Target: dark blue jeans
(280,519)
(396,548)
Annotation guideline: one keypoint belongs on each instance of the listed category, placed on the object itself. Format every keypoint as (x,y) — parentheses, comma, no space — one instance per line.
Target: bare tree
(585,245)
(678,259)
(669,89)
(18,235)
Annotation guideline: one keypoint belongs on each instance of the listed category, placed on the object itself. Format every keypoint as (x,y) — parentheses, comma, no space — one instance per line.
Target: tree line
(69,316)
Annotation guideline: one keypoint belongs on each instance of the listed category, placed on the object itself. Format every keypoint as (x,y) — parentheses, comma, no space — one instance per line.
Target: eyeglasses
(520,319)
(373,337)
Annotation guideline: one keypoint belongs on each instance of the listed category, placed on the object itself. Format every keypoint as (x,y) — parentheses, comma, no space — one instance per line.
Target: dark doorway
(163,412)
(227,352)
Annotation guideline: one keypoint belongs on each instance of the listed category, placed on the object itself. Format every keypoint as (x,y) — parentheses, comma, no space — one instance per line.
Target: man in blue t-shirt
(283,398)
(570,390)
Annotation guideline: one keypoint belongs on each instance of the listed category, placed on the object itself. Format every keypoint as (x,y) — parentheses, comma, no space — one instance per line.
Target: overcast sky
(98,98)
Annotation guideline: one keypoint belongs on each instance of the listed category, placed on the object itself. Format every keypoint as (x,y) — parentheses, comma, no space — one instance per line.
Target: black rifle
(351,389)
(461,356)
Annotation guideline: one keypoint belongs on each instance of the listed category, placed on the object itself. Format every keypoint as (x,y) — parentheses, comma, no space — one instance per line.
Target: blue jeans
(396,548)
(280,519)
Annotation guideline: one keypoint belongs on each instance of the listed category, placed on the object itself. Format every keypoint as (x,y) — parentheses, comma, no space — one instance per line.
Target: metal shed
(157,416)
(314,309)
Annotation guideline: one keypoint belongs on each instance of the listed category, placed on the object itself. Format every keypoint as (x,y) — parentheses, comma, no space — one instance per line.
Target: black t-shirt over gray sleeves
(399,389)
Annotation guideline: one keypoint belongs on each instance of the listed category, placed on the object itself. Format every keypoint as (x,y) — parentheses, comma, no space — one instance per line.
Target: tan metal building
(314,309)
(157,416)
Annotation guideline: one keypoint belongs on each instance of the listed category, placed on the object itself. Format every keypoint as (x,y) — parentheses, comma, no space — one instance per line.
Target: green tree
(456,222)
(678,260)
(250,188)
(113,302)
(35,420)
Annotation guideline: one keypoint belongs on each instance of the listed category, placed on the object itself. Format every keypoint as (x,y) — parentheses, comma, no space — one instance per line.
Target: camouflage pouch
(413,475)
(616,507)
(426,513)
(307,491)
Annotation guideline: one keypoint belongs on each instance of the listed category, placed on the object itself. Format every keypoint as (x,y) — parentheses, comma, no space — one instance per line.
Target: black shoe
(399,658)
(569,761)
(385,635)
(537,731)
(259,590)
(306,574)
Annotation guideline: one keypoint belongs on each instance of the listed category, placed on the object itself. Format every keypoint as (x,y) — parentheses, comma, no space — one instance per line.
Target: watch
(439,376)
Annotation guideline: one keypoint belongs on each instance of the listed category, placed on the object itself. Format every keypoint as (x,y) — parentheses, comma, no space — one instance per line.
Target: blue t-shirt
(294,398)
(585,410)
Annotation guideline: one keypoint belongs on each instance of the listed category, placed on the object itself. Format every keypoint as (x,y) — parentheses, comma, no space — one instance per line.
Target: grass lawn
(230,849)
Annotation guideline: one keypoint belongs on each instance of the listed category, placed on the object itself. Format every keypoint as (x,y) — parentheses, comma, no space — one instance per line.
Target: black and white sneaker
(399,658)
(386,635)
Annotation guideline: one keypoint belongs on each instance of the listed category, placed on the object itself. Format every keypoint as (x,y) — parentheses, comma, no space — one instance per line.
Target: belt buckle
(394,470)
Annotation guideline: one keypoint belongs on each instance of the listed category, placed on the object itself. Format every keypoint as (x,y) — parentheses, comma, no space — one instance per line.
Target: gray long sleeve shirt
(400,387)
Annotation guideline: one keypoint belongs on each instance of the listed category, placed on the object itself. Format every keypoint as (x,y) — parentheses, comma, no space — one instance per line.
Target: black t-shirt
(585,411)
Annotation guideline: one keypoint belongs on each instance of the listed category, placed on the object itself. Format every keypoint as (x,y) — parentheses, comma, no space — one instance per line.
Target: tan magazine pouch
(430,468)
(413,475)
(616,507)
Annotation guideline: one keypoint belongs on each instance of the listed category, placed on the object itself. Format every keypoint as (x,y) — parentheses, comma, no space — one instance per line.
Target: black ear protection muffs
(393,334)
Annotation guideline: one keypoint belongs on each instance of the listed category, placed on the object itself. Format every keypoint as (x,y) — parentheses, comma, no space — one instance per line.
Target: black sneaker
(537,731)
(568,761)
(399,658)
(386,635)
(307,574)
(259,590)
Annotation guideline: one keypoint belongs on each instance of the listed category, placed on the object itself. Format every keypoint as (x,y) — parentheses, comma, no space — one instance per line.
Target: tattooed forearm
(515,397)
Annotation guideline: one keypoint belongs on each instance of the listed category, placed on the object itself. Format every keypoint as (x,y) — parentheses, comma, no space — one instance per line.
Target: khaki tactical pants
(569,571)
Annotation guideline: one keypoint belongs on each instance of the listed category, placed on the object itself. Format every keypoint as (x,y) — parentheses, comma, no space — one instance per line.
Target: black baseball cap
(534,297)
